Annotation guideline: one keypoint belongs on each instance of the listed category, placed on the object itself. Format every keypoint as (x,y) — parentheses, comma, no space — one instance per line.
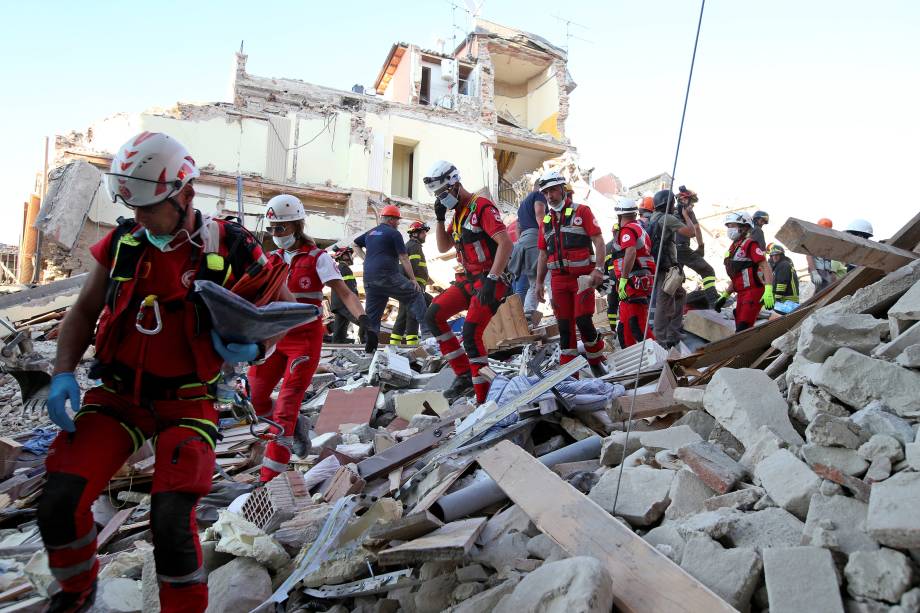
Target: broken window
(424,96)
(463,84)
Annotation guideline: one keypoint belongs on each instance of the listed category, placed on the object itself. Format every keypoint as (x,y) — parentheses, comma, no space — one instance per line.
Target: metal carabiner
(149,301)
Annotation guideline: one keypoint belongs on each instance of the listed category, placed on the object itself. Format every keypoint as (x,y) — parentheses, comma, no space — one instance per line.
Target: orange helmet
(391,210)
(418,226)
(647,204)
(825,222)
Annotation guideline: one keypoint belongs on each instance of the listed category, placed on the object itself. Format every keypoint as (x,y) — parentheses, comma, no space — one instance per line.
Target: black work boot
(462,386)
(72,602)
(599,370)
(302,445)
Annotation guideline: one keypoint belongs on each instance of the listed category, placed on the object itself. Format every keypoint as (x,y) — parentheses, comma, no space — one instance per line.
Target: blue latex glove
(64,387)
(233,353)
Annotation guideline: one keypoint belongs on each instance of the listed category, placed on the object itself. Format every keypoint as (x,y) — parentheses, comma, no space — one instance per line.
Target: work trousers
(669,314)
(459,296)
(109,428)
(574,311)
(405,330)
(633,316)
(747,308)
(343,319)
(695,262)
(293,362)
(379,290)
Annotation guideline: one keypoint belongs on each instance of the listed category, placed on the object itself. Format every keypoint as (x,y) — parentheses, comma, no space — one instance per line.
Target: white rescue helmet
(549,179)
(442,175)
(149,169)
(284,208)
(741,218)
(626,206)
(860,225)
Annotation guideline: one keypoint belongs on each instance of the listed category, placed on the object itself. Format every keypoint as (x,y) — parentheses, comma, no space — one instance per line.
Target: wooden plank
(403,529)
(9,453)
(401,453)
(344,407)
(112,527)
(16,591)
(449,542)
(643,578)
(811,239)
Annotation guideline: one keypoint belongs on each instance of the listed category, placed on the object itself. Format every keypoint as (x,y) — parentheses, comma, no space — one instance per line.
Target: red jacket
(473,227)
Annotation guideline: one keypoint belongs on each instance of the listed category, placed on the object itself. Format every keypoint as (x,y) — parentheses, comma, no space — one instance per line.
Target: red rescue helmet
(418,226)
(341,252)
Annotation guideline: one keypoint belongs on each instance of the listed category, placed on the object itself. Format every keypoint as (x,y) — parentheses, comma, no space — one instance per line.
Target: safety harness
(561,236)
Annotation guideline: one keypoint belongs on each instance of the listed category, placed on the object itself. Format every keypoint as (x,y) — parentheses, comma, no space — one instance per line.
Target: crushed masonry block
(883,574)
(391,369)
(345,481)
(449,542)
(845,517)
(708,325)
(465,591)
(544,548)
(616,447)
(441,381)
(876,418)
(346,407)
(643,497)
(472,572)
(847,461)
(712,465)
(882,445)
(326,439)
(788,481)
(672,438)
(688,495)
(267,507)
(910,357)
(766,443)
(801,579)
(905,311)
(824,333)
(411,403)
(238,587)
(118,595)
(667,538)
(579,584)
(487,601)
(403,529)
(743,499)
(760,530)
(243,539)
(898,343)
(733,574)
(813,400)
(701,421)
(831,431)
(690,397)
(912,454)
(434,594)
(744,399)
(893,518)
(897,387)
(854,485)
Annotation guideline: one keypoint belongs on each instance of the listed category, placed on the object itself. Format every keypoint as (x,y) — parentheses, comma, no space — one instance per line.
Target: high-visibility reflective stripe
(574,230)
(83,541)
(709,282)
(286,441)
(570,352)
(425,264)
(454,354)
(63,573)
(198,576)
(444,337)
(421,280)
(780,287)
(415,256)
(570,263)
(479,380)
(480,252)
(309,295)
(270,464)
(613,317)
(480,359)
(348,278)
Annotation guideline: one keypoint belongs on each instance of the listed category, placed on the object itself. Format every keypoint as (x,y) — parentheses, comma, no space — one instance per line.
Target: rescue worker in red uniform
(296,356)
(635,273)
(158,358)
(483,248)
(750,273)
(571,245)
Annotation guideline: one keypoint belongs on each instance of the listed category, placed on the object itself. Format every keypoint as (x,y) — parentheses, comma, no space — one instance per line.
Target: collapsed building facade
(496,107)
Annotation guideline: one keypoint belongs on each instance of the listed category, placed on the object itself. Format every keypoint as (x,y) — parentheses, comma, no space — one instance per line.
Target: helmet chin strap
(182,214)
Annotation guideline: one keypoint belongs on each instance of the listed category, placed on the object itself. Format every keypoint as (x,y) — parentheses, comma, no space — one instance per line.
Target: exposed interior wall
(512,99)
(543,103)
(400,87)
(439,87)
(324,145)
(402,170)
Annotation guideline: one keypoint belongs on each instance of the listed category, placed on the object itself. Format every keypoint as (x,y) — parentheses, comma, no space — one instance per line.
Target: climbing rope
(680,133)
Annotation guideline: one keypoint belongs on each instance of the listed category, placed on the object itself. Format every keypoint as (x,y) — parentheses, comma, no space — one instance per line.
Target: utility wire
(680,133)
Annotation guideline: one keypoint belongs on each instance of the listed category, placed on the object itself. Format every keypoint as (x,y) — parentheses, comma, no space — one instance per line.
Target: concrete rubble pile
(658,487)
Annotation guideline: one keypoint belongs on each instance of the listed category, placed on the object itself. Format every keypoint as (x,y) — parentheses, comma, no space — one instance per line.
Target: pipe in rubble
(484,493)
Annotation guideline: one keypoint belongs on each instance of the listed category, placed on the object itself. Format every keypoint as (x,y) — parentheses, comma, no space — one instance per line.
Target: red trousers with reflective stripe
(575,311)
(293,362)
(747,307)
(97,449)
(633,318)
(462,295)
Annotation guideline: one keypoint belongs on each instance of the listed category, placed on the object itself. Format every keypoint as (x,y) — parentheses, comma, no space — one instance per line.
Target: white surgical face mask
(556,206)
(448,200)
(734,233)
(284,242)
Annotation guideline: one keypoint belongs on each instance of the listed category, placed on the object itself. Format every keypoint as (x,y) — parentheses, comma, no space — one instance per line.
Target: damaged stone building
(496,107)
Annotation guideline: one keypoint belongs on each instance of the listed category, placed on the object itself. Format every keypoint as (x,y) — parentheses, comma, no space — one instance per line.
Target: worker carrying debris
(634,269)
(693,258)
(751,277)
(387,272)
(297,354)
(824,271)
(158,362)
(785,279)
(344,258)
(483,248)
(569,242)
(406,327)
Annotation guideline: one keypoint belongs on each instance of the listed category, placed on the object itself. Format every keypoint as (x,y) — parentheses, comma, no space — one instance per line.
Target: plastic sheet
(237,320)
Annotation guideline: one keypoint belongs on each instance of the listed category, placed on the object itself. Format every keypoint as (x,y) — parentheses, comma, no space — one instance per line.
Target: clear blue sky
(805,108)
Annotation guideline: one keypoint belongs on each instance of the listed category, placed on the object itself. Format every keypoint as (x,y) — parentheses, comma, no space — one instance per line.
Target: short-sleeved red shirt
(583,217)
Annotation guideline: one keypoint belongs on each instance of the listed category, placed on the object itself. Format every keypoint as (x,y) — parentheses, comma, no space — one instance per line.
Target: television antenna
(568,31)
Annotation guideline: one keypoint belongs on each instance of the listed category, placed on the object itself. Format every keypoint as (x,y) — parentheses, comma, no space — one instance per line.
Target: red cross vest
(475,248)
(569,249)
(303,281)
(740,267)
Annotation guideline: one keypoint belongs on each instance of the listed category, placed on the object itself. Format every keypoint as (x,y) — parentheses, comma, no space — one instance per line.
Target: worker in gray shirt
(663,229)
(693,258)
(760,219)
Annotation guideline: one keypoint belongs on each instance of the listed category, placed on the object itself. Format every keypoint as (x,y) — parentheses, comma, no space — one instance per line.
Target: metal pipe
(486,492)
